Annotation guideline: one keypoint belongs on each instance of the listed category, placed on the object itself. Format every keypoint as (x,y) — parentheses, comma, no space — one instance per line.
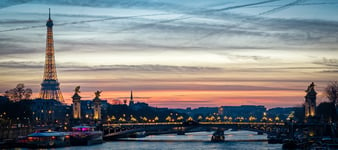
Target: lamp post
(264,118)
(230,119)
(145,119)
(113,118)
(133,119)
(200,118)
(219,119)
(190,119)
(168,118)
(225,118)
(252,118)
(277,119)
(180,118)
(290,118)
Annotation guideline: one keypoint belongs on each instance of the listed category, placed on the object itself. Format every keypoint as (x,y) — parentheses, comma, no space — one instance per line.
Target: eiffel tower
(50,87)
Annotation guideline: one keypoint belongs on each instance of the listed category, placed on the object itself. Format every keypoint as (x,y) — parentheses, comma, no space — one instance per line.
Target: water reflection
(196,141)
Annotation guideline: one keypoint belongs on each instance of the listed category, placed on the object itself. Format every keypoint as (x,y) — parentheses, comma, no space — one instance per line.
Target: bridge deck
(125,129)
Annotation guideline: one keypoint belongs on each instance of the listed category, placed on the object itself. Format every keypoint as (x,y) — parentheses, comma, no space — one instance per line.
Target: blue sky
(157,46)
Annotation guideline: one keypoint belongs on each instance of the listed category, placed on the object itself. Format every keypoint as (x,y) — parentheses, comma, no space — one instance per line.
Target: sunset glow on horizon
(175,54)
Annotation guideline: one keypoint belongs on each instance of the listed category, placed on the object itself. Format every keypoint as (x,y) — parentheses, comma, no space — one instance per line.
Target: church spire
(131,101)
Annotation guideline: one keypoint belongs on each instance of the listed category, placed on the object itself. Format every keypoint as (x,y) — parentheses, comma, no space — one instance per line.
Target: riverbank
(9,136)
(13,133)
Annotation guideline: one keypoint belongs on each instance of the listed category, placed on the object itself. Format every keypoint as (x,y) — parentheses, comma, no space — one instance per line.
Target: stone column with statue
(310,101)
(76,103)
(97,105)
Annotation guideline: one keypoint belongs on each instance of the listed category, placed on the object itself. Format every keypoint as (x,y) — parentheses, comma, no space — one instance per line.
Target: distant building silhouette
(220,111)
(139,105)
(50,111)
(50,87)
(243,111)
(87,109)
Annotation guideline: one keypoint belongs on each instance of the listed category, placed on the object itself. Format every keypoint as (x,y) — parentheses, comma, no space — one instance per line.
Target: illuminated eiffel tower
(50,87)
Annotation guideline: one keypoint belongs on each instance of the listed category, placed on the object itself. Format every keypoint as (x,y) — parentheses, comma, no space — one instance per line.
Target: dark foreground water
(190,141)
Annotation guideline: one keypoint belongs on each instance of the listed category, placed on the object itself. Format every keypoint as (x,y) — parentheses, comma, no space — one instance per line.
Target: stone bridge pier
(218,135)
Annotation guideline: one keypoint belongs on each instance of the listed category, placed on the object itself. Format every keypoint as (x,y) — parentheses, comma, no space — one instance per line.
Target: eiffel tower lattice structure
(50,87)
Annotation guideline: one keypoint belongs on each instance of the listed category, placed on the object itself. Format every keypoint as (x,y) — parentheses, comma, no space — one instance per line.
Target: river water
(190,141)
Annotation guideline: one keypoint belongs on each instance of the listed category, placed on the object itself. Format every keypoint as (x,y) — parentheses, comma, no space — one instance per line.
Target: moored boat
(47,139)
(138,134)
(85,135)
(275,139)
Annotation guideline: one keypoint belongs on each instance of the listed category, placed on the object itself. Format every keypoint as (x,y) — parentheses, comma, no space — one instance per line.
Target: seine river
(190,141)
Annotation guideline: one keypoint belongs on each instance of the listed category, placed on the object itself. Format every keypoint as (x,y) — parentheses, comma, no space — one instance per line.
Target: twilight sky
(175,53)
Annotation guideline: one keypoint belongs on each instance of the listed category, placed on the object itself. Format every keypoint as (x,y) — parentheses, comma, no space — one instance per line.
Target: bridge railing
(202,123)
(244,123)
(141,124)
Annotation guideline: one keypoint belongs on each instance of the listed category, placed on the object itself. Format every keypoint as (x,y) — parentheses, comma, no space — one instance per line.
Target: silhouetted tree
(326,111)
(331,92)
(19,93)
